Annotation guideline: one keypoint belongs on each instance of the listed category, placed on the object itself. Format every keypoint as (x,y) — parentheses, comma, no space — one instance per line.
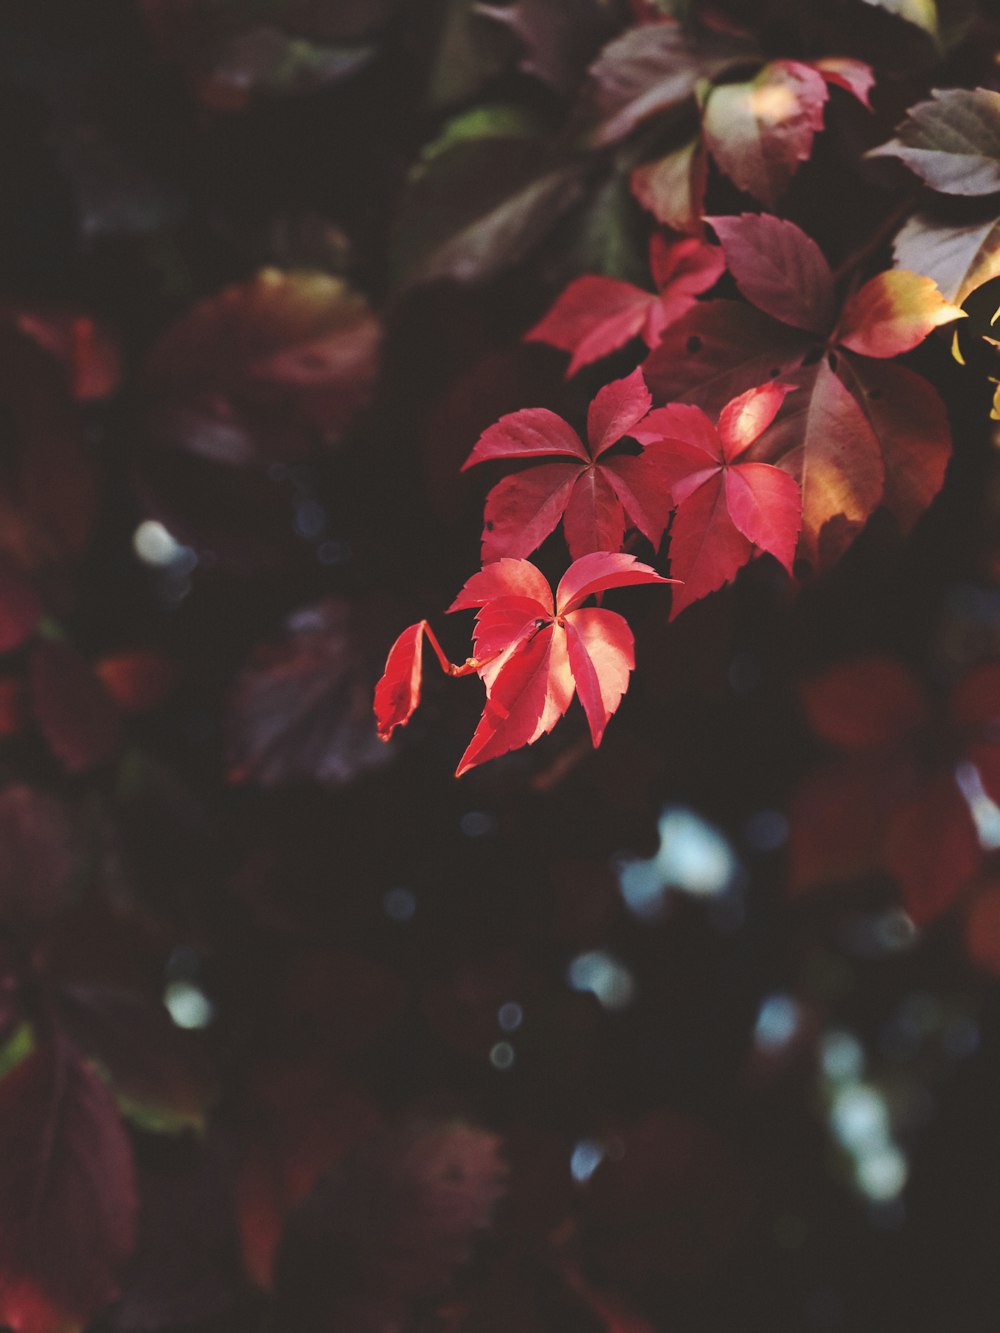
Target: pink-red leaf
(779,268)
(593,317)
(398,691)
(615,409)
(505,578)
(596,573)
(892,313)
(594,519)
(74,711)
(644,493)
(706,547)
(766,506)
(531,432)
(529,694)
(749,415)
(521,510)
(601,655)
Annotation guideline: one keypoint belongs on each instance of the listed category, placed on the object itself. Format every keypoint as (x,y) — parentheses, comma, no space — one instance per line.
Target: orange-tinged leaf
(892,313)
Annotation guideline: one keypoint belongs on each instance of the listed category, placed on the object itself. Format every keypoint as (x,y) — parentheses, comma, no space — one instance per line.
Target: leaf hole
(874,395)
(489,525)
(694,343)
(774,372)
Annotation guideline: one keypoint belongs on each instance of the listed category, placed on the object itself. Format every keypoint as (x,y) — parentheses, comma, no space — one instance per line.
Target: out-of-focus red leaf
(300,1119)
(837,820)
(74,711)
(302,707)
(41,856)
(266,369)
(854,76)
(68,1191)
(20,608)
(674,1202)
(137,680)
(779,268)
(391,1223)
(86,347)
(931,847)
(892,313)
(870,703)
(759,132)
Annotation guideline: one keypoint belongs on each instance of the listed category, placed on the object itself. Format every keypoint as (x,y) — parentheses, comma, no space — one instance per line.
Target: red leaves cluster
(533,652)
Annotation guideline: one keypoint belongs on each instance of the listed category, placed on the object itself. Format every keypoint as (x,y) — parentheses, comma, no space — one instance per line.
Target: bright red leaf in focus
(728,509)
(533,652)
(595,496)
(596,315)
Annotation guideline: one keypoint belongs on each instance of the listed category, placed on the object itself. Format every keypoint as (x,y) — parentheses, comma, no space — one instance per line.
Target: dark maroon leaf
(68,1190)
(390,1224)
(41,856)
(20,609)
(73,709)
(302,707)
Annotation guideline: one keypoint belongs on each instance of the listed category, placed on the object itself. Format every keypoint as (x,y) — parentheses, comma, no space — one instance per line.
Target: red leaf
(138,680)
(593,317)
(598,572)
(74,711)
(725,507)
(779,268)
(68,1190)
(601,655)
(506,578)
(597,315)
(528,695)
(615,409)
(931,848)
(749,415)
(759,132)
(523,509)
(86,347)
(398,690)
(534,431)
(892,313)
(870,703)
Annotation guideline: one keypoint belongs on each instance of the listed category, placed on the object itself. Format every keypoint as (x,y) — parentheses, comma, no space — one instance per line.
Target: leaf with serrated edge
(780,269)
(892,313)
(952,142)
